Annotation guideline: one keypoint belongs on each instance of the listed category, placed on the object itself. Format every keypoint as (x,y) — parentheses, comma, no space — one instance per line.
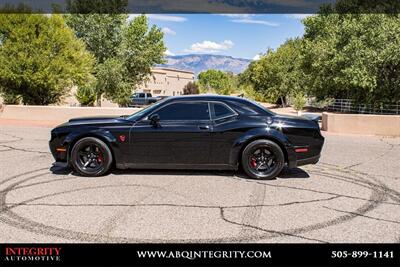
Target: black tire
(263,159)
(91,157)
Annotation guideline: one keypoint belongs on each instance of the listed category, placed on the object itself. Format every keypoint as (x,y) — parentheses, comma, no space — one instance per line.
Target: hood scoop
(93,119)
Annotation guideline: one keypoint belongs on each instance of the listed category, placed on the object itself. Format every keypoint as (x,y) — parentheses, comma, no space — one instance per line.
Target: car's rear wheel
(91,157)
(263,159)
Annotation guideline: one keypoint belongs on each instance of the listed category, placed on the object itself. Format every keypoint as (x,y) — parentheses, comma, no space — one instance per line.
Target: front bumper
(57,149)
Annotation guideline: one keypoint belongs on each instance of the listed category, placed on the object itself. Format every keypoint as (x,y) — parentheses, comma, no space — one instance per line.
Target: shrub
(10,99)
(299,101)
(191,89)
(86,95)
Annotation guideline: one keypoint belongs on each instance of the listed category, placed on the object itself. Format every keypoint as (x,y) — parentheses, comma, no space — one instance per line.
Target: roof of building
(171,69)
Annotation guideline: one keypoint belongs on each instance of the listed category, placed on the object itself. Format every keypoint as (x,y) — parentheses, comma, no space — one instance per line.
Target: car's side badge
(122,138)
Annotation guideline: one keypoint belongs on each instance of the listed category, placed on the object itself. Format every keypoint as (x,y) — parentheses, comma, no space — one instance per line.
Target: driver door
(182,137)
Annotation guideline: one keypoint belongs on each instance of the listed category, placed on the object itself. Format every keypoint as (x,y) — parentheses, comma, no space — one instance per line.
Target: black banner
(200,254)
(199,6)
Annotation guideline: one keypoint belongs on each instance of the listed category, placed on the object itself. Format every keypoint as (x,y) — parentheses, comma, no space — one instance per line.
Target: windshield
(137,115)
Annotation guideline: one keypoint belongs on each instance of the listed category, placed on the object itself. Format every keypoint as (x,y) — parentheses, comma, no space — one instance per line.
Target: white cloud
(255,21)
(168,53)
(257,57)
(210,47)
(132,16)
(169,31)
(249,19)
(166,18)
(237,15)
(298,16)
(159,17)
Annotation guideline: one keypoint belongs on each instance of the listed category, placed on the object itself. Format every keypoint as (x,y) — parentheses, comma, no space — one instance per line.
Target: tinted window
(184,111)
(249,107)
(221,111)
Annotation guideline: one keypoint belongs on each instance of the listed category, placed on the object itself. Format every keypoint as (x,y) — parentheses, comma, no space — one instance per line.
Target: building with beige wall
(161,82)
(166,82)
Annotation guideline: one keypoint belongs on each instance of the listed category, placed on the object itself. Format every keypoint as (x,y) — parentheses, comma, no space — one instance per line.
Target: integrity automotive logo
(31,254)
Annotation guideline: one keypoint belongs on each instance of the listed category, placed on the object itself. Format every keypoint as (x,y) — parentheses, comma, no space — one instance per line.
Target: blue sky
(237,35)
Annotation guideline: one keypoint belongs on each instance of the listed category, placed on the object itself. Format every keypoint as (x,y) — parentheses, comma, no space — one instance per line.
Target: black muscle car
(190,132)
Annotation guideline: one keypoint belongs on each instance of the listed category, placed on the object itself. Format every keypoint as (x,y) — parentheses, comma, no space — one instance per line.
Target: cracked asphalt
(351,195)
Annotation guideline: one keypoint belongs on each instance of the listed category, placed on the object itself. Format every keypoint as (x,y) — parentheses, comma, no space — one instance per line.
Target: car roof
(239,101)
(206,97)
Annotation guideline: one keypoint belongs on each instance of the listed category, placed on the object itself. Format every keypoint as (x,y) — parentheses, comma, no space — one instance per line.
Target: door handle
(204,127)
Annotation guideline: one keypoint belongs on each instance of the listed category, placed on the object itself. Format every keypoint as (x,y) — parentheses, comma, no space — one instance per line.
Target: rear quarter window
(222,111)
(249,108)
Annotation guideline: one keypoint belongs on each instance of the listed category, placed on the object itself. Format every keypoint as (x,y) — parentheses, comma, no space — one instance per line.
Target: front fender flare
(101,134)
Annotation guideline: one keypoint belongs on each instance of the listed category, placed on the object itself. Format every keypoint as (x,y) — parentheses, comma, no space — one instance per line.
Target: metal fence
(350,106)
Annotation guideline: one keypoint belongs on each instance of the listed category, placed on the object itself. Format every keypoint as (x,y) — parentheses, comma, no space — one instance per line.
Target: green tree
(351,55)
(97,6)
(278,73)
(125,50)
(140,49)
(216,81)
(40,58)
(191,88)
(112,79)
(99,24)
(102,33)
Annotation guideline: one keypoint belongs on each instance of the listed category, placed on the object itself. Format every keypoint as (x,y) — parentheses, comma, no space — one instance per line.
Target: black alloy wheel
(91,157)
(262,159)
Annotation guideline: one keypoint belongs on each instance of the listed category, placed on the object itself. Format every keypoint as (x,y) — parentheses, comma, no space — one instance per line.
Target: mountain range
(202,62)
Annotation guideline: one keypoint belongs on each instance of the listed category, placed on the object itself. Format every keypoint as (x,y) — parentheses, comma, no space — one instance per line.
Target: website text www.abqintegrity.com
(203,254)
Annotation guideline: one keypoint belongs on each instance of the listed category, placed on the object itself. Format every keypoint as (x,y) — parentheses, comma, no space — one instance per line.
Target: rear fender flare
(263,133)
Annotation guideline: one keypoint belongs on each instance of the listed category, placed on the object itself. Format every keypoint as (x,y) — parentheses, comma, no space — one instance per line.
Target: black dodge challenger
(190,132)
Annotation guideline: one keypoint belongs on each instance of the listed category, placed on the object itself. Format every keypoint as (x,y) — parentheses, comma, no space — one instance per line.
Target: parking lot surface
(351,195)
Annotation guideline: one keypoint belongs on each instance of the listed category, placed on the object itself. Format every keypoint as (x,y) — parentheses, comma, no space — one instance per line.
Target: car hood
(96,120)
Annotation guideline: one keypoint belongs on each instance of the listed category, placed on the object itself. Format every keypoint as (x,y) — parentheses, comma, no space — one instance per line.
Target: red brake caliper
(100,158)
(253,162)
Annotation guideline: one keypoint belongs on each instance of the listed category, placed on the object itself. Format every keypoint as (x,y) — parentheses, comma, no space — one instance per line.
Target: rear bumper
(310,156)
(306,161)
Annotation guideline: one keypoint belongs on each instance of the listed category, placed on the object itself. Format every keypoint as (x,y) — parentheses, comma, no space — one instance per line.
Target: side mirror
(154,120)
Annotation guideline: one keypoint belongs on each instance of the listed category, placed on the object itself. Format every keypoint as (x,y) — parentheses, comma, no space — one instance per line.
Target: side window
(184,111)
(221,111)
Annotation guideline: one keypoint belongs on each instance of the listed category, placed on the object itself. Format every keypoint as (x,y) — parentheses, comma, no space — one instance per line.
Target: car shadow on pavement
(295,173)
(59,169)
(286,173)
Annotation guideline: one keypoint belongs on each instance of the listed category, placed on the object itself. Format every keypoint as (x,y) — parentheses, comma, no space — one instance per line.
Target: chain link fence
(350,106)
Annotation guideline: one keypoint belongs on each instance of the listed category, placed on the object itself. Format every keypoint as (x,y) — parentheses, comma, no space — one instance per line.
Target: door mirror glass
(154,119)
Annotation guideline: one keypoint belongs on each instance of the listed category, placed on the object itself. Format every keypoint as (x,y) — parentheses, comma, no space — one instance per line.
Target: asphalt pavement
(351,195)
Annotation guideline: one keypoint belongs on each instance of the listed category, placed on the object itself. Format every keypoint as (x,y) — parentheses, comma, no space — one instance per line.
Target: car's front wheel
(263,159)
(91,157)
